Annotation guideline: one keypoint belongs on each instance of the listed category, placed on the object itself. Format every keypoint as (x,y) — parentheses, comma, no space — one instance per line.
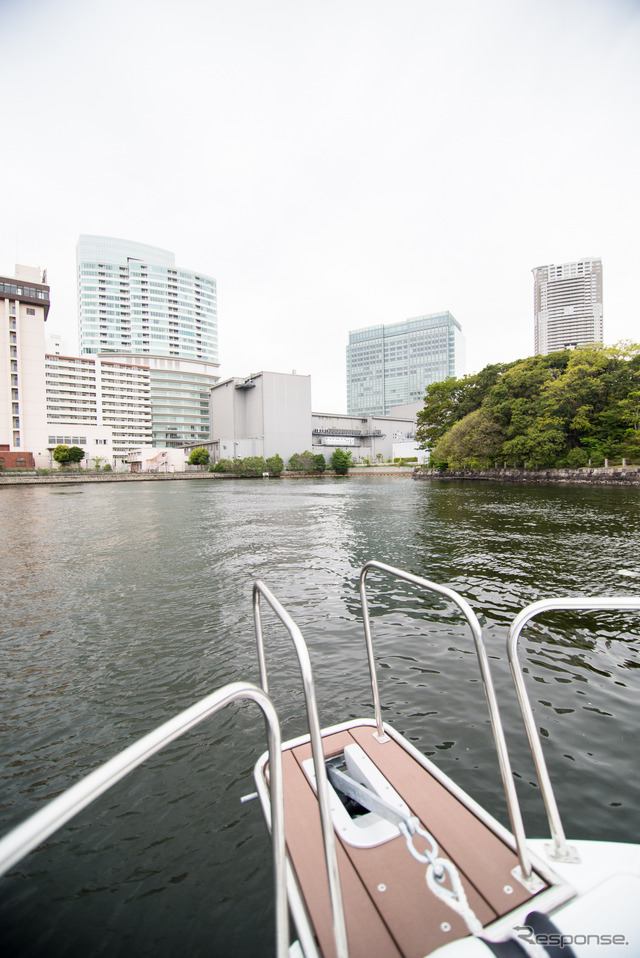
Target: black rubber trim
(505,949)
(542,925)
(537,924)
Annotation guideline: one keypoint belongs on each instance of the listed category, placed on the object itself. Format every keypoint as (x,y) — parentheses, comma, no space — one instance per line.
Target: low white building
(154,459)
(405,447)
(375,438)
(95,441)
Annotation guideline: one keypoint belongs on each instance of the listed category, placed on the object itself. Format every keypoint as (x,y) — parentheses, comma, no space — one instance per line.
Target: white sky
(333,163)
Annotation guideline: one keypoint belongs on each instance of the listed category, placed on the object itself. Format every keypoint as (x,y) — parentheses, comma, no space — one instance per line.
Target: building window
(30,311)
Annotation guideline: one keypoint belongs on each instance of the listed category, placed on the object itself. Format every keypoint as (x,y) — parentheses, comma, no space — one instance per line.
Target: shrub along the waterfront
(340,461)
(275,465)
(306,463)
(250,467)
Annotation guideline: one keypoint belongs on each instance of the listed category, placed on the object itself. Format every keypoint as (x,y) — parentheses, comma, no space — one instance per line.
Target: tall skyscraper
(567,305)
(135,304)
(392,365)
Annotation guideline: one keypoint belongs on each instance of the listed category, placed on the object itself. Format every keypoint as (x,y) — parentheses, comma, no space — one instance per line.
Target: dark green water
(122,604)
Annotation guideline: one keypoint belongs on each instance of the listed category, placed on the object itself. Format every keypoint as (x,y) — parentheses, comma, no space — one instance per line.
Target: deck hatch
(353,823)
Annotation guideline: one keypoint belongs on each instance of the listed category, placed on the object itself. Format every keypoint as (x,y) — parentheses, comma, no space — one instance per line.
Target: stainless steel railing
(515,814)
(561,851)
(328,835)
(26,836)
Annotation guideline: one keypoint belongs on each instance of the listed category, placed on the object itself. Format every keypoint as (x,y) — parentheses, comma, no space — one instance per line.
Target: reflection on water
(123,604)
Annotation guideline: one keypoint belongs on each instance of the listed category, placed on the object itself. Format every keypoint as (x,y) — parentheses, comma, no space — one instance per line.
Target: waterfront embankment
(603,475)
(76,477)
(73,477)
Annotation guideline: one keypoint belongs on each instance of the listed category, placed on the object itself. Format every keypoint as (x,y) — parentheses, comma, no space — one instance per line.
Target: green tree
(536,411)
(76,454)
(199,456)
(472,442)
(340,462)
(275,465)
(97,462)
(450,400)
(577,458)
(539,446)
(303,462)
(253,466)
(319,463)
(222,465)
(61,455)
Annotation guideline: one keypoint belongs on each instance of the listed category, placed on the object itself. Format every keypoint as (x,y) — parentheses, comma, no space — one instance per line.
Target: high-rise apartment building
(24,306)
(567,305)
(179,398)
(137,306)
(102,403)
(392,365)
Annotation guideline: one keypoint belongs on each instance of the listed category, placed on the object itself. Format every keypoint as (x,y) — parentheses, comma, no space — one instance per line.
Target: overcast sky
(334,164)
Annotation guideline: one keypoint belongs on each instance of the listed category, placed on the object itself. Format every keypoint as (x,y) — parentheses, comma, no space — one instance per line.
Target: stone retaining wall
(609,475)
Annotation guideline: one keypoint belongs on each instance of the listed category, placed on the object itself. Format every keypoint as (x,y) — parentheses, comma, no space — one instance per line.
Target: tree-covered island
(562,410)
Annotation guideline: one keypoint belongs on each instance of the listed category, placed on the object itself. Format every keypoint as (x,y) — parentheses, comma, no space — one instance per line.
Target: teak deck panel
(405,918)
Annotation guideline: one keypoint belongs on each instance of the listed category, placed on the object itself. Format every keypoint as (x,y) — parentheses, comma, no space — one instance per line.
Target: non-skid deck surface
(389,909)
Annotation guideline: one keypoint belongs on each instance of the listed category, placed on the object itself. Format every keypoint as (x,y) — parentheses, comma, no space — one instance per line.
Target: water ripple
(123,604)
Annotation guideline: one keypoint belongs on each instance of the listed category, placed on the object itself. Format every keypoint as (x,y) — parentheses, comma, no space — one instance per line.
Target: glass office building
(136,304)
(393,365)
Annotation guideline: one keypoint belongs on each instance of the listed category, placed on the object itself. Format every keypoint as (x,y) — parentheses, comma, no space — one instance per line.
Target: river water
(125,603)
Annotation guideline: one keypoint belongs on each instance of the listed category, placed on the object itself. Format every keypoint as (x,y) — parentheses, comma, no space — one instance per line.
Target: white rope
(438,870)
(455,896)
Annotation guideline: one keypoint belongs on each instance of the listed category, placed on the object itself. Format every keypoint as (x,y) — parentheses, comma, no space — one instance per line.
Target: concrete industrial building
(24,307)
(567,305)
(261,415)
(367,437)
(137,306)
(270,413)
(393,364)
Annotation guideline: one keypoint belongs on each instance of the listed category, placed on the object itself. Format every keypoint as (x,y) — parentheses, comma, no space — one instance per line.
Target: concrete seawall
(609,475)
(75,477)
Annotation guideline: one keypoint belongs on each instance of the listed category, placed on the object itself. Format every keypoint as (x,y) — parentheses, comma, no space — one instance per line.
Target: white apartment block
(179,397)
(133,298)
(24,306)
(136,305)
(111,399)
(567,305)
